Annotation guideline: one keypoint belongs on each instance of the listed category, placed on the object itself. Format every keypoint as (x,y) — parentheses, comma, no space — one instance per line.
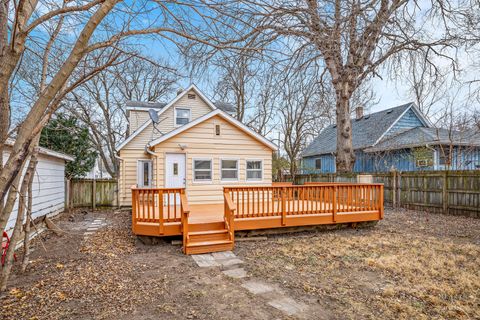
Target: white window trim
(246,170)
(140,174)
(238,170)
(175,116)
(211,171)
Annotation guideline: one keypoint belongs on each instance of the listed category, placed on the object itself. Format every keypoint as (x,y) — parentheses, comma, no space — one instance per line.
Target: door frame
(165,168)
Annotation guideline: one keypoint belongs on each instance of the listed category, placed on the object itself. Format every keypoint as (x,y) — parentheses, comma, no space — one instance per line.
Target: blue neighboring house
(400,138)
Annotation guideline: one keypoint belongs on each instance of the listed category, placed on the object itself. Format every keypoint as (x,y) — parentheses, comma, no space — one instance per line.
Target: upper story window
(318,164)
(182,116)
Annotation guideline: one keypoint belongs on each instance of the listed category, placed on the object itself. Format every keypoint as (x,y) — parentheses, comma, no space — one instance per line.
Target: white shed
(48,188)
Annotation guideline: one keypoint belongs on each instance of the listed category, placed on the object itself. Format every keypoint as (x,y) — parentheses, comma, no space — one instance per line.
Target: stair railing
(185,211)
(229,214)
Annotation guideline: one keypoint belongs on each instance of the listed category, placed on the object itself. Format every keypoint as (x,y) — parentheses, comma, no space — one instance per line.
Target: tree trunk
(16,232)
(345,157)
(26,240)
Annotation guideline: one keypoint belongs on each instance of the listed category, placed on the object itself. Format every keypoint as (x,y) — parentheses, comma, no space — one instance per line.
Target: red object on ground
(5,245)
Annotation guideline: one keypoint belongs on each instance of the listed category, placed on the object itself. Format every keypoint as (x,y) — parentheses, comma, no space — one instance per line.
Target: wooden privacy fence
(451,192)
(92,193)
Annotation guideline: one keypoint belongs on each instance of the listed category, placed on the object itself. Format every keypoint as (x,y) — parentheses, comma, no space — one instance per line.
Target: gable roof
(366,132)
(162,110)
(207,116)
(420,136)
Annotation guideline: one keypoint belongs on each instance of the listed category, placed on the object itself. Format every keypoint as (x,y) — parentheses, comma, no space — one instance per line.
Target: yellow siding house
(194,145)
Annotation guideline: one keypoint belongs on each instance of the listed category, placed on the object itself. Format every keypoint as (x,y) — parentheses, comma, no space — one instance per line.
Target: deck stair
(207,237)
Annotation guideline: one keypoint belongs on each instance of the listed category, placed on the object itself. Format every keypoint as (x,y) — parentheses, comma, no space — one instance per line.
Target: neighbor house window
(229,169)
(202,170)
(254,170)
(318,164)
(144,173)
(182,116)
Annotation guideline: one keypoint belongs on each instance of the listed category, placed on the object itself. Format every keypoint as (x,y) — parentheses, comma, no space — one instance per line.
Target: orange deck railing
(163,211)
(157,205)
(251,202)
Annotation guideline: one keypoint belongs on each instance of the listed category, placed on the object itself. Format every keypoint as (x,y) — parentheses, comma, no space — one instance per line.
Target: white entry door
(175,170)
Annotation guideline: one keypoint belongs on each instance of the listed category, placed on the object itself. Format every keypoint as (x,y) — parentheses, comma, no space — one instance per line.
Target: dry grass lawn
(409,266)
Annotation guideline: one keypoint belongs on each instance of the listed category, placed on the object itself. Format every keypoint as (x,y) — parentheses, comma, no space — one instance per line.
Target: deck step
(210,235)
(208,246)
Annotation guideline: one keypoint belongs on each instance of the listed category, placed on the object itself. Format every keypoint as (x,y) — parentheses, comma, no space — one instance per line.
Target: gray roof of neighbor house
(142,104)
(420,136)
(225,106)
(365,131)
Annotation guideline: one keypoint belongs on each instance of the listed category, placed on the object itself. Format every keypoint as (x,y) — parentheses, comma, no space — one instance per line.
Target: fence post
(399,190)
(284,209)
(394,188)
(94,193)
(67,194)
(445,192)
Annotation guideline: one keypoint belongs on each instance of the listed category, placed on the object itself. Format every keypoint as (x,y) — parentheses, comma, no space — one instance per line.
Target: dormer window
(182,116)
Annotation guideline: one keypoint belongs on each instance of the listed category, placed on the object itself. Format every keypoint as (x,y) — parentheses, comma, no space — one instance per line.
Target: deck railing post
(284,207)
(160,211)
(381,202)
(134,209)
(334,203)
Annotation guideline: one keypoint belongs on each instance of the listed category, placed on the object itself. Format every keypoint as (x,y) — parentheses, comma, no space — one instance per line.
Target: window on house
(182,116)
(144,173)
(318,164)
(202,170)
(217,129)
(254,170)
(229,169)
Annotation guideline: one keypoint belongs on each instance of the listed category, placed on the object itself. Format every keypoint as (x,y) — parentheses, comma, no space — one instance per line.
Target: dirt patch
(114,276)
(411,265)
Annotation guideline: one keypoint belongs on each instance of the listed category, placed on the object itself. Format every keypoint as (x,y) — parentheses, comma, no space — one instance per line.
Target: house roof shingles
(365,131)
(421,136)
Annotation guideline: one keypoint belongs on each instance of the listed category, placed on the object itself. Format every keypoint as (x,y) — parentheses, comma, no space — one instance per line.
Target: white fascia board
(207,116)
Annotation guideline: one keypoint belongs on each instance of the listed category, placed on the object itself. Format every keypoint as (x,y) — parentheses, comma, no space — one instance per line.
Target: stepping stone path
(94,226)
(231,267)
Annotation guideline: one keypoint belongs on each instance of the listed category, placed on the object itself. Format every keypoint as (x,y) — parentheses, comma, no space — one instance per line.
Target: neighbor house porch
(211,227)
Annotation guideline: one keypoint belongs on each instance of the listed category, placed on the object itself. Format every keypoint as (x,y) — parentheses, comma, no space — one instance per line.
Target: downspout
(119,184)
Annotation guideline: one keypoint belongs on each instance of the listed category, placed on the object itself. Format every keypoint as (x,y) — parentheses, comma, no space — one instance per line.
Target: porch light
(182,146)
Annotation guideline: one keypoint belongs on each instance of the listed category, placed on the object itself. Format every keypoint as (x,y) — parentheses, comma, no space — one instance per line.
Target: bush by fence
(452,192)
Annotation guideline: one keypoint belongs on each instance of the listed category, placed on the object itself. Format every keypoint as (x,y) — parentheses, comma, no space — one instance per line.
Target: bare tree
(354,39)
(100,102)
(82,54)
(303,114)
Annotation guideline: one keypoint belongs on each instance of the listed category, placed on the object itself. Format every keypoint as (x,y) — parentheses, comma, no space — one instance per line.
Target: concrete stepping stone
(224,255)
(229,262)
(287,305)
(205,260)
(257,287)
(237,273)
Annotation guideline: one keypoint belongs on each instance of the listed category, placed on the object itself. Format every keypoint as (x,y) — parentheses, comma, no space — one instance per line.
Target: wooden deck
(210,227)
